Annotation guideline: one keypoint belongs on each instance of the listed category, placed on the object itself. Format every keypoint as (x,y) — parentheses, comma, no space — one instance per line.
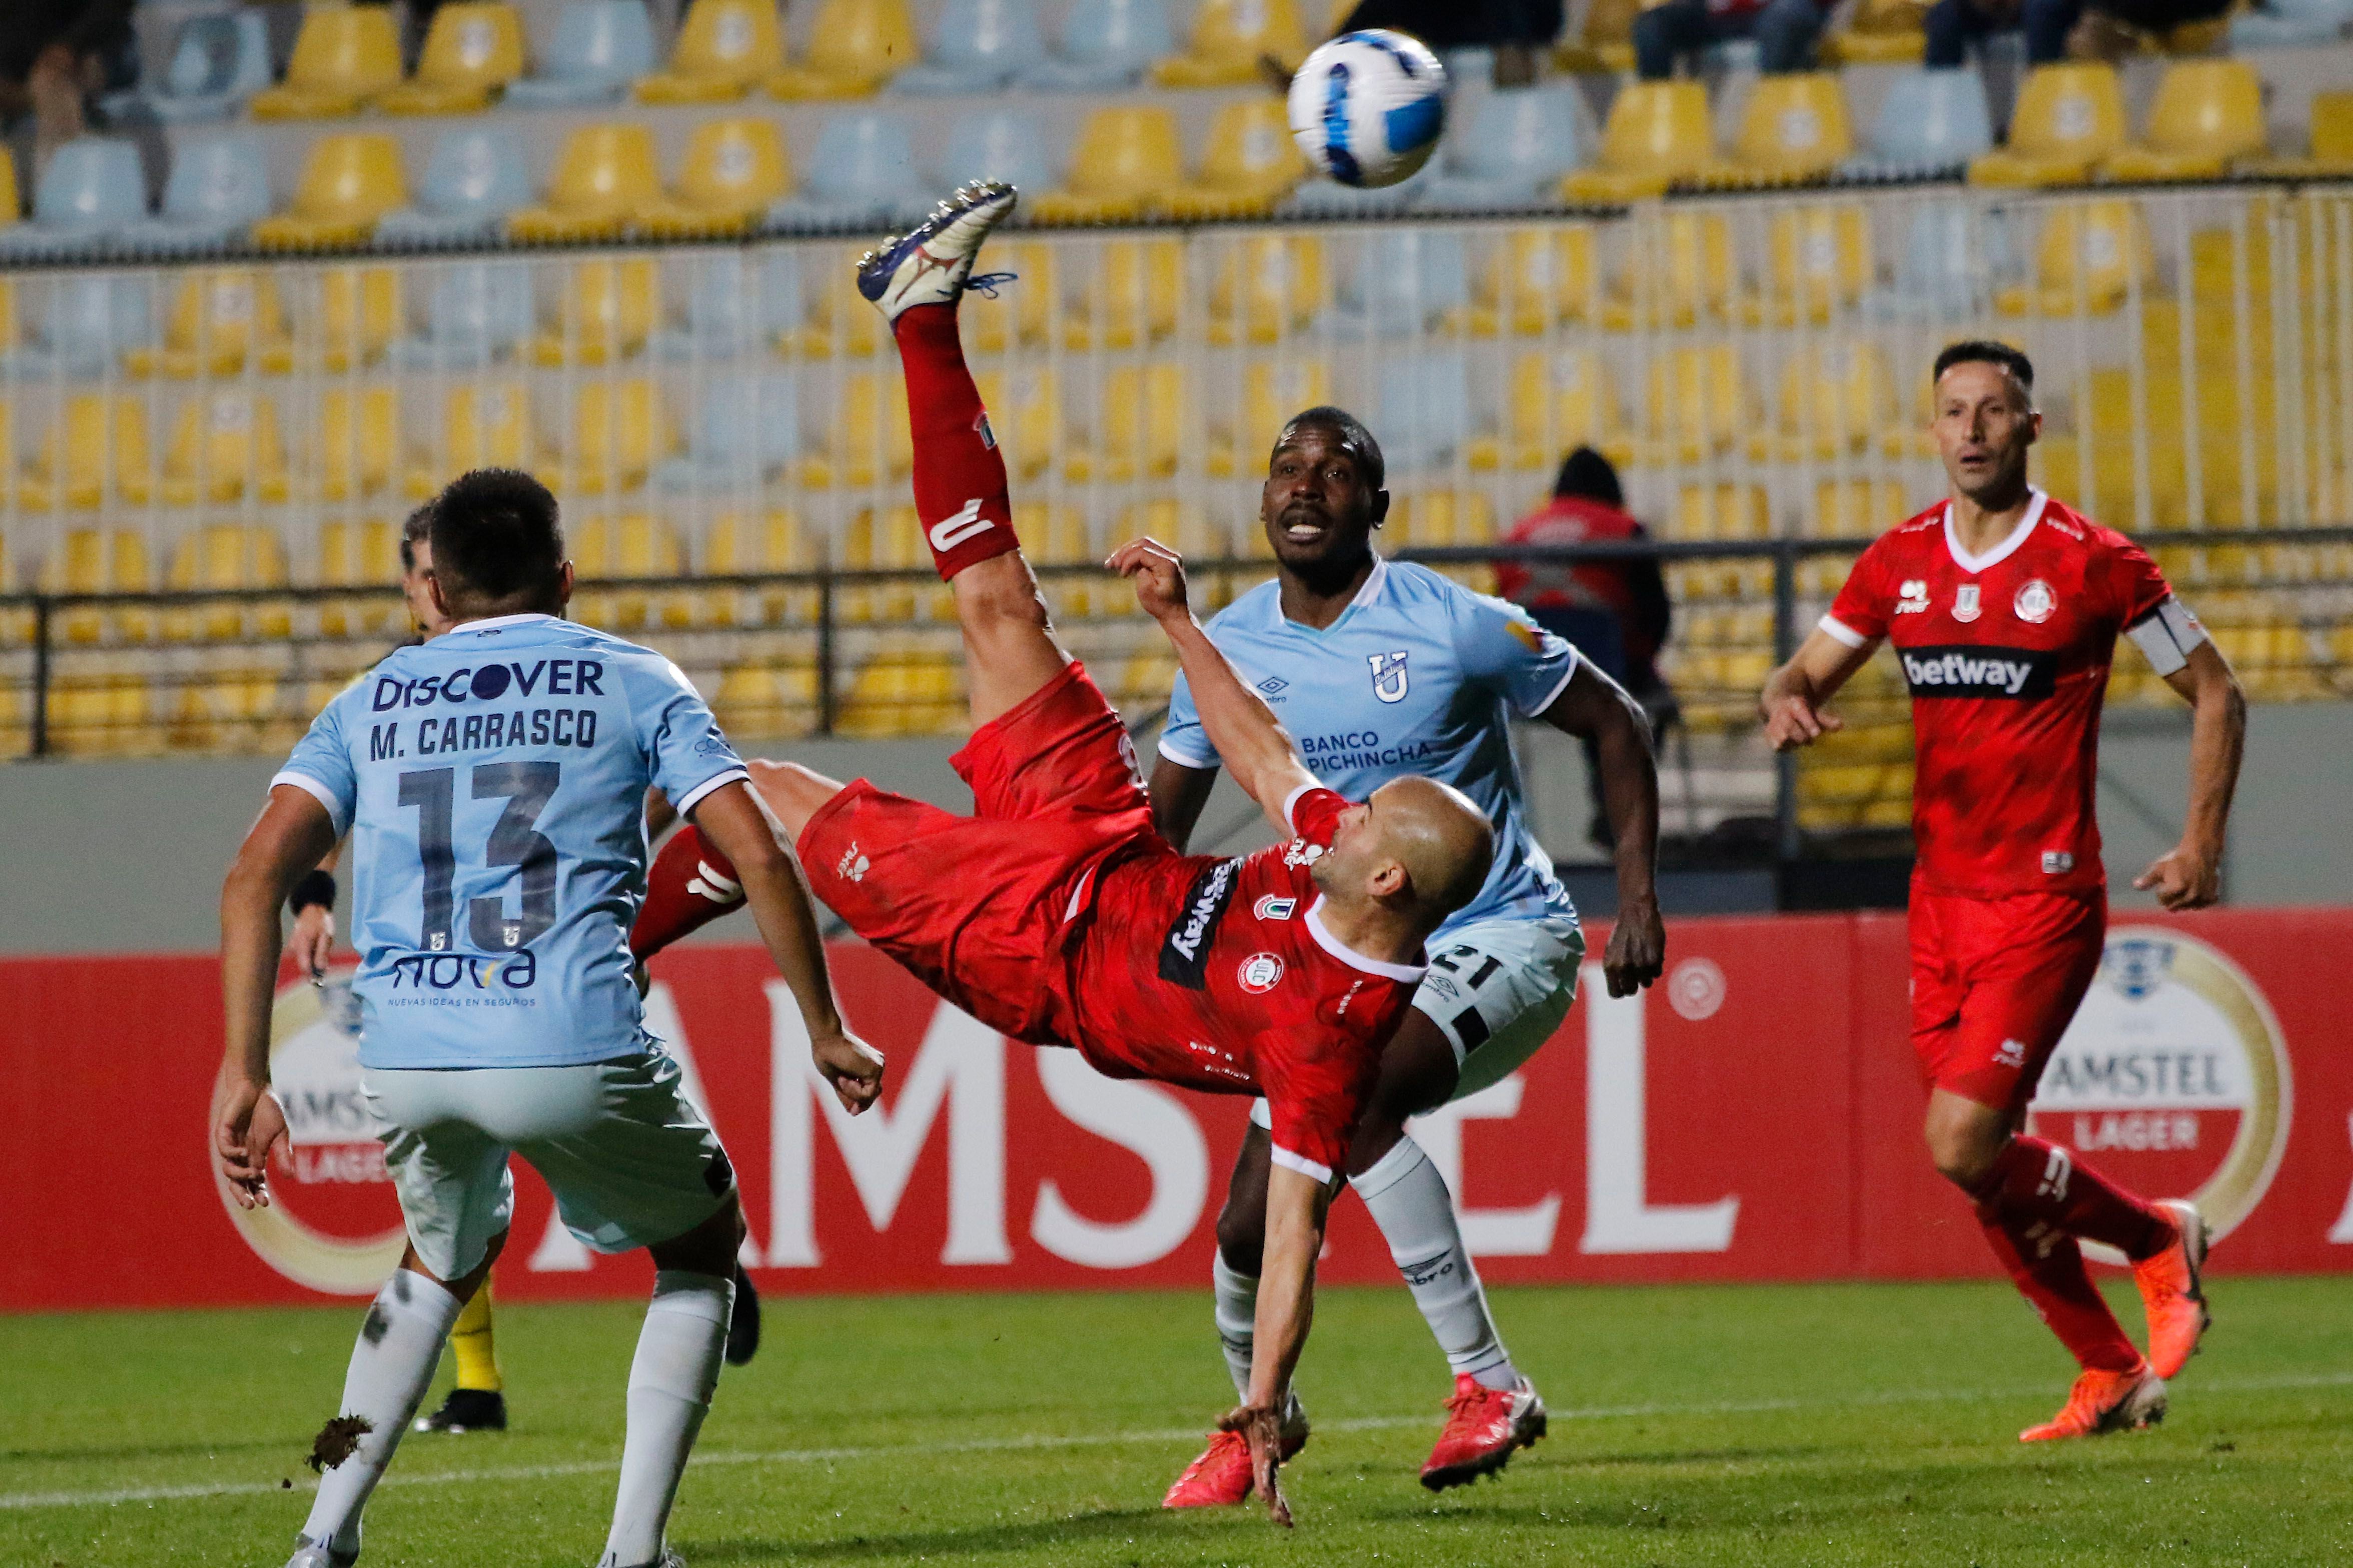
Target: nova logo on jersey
(1389,674)
(1184,952)
(1973,671)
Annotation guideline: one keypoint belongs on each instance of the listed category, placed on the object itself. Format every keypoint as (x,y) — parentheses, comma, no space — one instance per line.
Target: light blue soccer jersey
(1418,675)
(494,782)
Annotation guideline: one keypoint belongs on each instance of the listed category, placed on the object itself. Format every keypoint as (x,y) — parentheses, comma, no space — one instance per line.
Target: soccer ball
(1366,108)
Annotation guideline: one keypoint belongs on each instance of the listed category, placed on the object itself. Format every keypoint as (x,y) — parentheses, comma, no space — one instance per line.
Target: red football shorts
(977,907)
(1994,983)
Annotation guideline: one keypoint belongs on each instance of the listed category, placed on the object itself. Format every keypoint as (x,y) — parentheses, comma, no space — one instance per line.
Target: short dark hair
(416,530)
(1986,350)
(1586,473)
(495,538)
(1353,436)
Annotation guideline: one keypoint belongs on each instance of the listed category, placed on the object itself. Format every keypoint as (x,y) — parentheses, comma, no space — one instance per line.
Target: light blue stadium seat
(733,305)
(218,62)
(978,46)
(1424,402)
(747,428)
(218,186)
(2291,23)
(862,172)
(1930,121)
(600,47)
(474,178)
(1403,279)
(1000,144)
(1105,44)
(82,323)
(92,190)
(1516,147)
(476,312)
(1953,260)
(1316,198)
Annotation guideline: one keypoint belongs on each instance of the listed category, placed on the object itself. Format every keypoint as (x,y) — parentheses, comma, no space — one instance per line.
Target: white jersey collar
(500,623)
(1349,955)
(2003,551)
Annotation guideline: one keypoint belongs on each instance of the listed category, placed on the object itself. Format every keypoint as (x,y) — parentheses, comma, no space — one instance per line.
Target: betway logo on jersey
(1184,950)
(1978,671)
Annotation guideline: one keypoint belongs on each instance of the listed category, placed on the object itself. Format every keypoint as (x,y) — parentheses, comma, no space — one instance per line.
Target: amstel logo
(333,1223)
(2173,1077)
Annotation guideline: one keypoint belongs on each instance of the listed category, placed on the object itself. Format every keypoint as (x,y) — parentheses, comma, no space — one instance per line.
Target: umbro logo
(1274,684)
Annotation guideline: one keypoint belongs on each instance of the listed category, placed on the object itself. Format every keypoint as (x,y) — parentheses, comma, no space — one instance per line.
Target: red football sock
(960,487)
(2034,1181)
(2048,1270)
(690,885)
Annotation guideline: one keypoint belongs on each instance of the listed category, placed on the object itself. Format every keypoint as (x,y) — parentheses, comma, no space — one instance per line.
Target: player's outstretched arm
(1244,729)
(1296,1204)
(2189,875)
(730,817)
(292,835)
(1594,706)
(1791,703)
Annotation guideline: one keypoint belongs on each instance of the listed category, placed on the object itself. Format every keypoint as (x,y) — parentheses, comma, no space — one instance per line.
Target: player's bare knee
(709,1248)
(1964,1152)
(1241,1237)
(1000,591)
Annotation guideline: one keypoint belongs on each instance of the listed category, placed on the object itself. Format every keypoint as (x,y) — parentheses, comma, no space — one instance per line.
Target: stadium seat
(1131,300)
(1794,128)
(1819,261)
(867,439)
(225,447)
(1136,418)
(738,303)
(1025,412)
(1951,255)
(1680,272)
(599,48)
(1837,400)
(1560,401)
(1657,134)
(1698,404)
(1437,520)
(356,445)
(977,46)
(1537,277)
(994,145)
(1879,33)
(473,179)
(1125,165)
(1105,46)
(483,425)
(1059,536)
(745,432)
(227,555)
(633,545)
(1424,410)
(605,311)
(91,192)
(1723,511)
(1264,288)
(2069,118)
(349,181)
(217,189)
(908,688)
(863,172)
(1406,279)
(1604,43)
(604,178)
(472,50)
(1929,123)
(1024,312)
(218,62)
(103,714)
(891,539)
(773,698)
(733,170)
(11,205)
(1519,144)
(2329,146)
(1250,164)
(222,320)
(343,56)
(740,543)
(100,560)
(364,555)
(2209,114)
(1227,37)
(854,47)
(478,313)
(1242,431)
(359,312)
(724,48)
(85,320)
(2093,255)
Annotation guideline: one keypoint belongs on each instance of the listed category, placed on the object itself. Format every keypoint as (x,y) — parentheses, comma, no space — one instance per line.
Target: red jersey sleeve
(1860,613)
(1314,813)
(2134,578)
(1315,1082)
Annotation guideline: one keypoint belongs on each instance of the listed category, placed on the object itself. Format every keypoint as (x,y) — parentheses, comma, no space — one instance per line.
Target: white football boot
(309,1554)
(932,264)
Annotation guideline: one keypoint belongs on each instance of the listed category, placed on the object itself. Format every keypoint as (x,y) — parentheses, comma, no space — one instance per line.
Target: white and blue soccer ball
(1367,107)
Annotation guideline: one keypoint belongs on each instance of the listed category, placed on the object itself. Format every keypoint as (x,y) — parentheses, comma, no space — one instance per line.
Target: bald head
(1422,850)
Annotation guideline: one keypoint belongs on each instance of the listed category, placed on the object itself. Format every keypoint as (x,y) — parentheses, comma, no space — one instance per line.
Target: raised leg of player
(689,885)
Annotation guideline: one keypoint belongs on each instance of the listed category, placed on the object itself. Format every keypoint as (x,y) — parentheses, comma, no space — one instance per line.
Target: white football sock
(1237,1318)
(670,1384)
(392,1366)
(1408,1200)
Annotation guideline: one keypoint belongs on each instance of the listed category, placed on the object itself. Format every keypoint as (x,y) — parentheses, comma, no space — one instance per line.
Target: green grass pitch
(1839,1424)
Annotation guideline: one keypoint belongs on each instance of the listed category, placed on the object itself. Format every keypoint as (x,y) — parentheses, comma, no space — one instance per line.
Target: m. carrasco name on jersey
(1975,670)
(1183,952)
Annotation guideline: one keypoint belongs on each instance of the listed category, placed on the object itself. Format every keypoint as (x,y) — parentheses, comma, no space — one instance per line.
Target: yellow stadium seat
(483,426)
(840,320)
(1698,404)
(630,546)
(1677,274)
(227,555)
(1058,536)
(740,544)
(2330,146)
(869,439)
(359,555)
(2093,255)
(604,177)
(724,48)
(95,456)
(1228,36)
(1837,399)
(620,431)
(1604,45)
(10,203)
(1251,163)
(1128,299)
(1859,508)
(1657,134)
(349,182)
(1434,519)
(225,445)
(768,700)
(1880,33)
(359,315)
(2209,114)
(1024,314)
(1025,413)
(1138,427)
(605,312)
(1241,437)
(99,561)
(1794,127)
(221,318)
(1561,401)
(1723,511)
(342,56)
(472,50)
(1817,263)
(1265,289)
(889,540)
(733,170)
(1187,528)
(1537,276)
(855,46)
(2069,118)
(910,688)
(230,711)
(1125,165)
(100,715)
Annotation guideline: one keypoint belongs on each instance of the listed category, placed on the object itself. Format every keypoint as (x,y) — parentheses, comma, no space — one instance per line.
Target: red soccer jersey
(2007,657)
(1220,974)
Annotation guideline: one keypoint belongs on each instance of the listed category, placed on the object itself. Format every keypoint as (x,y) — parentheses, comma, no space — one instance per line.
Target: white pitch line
(18,1501)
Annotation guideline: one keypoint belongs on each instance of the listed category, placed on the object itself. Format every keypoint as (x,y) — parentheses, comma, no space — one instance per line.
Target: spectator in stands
(2057,30)
(1616,612)
(1786,32)
(54,55)
(1518,31)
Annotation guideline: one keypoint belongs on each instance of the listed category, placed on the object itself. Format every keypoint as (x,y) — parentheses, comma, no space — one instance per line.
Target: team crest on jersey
(1913,597)
(1260,972)
(1274,907)
(1965,606)
(2036,602)
(1389,674)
